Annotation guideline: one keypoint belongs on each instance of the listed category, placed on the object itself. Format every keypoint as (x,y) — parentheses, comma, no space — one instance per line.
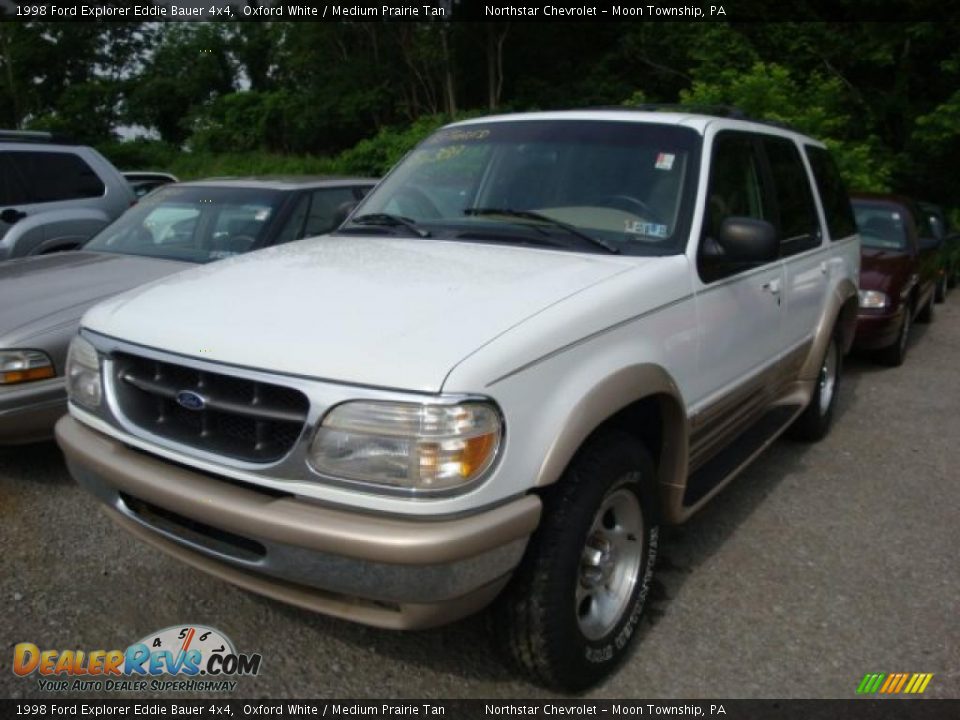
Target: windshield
(596,186)
(194,224)
(881,226)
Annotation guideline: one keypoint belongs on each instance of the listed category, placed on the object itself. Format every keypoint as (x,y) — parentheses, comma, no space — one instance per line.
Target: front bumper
(878,331)
(384,571)
(28,412)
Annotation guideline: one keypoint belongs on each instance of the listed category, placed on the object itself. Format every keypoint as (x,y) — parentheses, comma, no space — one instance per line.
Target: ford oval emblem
(191,400)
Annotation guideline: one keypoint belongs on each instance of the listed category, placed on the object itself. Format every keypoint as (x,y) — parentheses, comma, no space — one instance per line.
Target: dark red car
(898,274)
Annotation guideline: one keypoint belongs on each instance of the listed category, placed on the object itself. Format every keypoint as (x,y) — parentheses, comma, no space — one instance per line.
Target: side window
(323,209)
(292,228)
(736,190)
(54,176)
(12,190)
(735,185)
(799,226)
(833,193)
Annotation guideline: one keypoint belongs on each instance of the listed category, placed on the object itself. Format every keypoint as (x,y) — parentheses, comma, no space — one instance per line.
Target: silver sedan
(43,298)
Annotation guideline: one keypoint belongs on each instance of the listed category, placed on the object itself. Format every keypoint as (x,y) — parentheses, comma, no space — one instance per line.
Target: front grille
(240,418)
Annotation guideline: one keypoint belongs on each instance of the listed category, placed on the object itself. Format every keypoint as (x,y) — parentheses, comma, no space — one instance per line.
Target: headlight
(873,299)
(20,366)
(407,445)
(83,373)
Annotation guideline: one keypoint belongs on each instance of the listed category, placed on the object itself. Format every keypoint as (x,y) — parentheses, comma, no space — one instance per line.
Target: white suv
(539,338)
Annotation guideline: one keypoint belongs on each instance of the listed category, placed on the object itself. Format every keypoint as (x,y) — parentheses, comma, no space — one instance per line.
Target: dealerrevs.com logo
(199,658)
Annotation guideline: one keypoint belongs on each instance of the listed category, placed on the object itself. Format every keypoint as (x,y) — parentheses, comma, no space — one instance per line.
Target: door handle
(772,287)
(823,267)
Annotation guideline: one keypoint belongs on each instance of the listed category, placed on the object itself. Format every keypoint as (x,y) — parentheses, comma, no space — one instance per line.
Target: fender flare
(840,313)
(608,397)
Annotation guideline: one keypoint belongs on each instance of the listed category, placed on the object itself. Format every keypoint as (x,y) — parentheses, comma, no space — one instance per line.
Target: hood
(386,312)
(884,270)
(39,294)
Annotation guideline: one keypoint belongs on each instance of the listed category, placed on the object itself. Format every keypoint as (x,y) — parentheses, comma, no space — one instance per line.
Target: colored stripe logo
(894,683)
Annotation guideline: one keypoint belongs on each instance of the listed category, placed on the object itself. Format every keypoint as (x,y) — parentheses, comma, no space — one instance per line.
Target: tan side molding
(293,521)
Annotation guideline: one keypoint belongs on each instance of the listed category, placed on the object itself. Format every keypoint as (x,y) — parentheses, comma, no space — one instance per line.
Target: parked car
(143,182)
(935,222)
(898,275)
(539,338)
(54,196)
(178,226)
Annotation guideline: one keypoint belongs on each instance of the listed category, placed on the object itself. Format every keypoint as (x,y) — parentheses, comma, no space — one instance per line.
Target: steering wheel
(240,243)
(421,204)
(629,204)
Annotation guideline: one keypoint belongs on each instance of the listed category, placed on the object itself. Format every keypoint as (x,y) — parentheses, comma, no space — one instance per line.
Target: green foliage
(817,105)
(189,166)
(187,69)
(140,154)
(356,96)
(373,157)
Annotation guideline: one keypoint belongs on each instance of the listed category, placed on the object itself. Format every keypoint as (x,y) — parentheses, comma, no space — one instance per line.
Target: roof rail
(725,111)
(33,136)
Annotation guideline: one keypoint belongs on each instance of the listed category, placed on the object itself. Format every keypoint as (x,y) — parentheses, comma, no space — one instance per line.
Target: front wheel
(570,613)
(941,292)
(895,354)
(814,422)
(925,316)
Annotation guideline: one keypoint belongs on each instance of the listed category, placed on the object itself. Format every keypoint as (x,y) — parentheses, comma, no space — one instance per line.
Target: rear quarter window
(799,226)
(12,190)
(55,176)
(833,193)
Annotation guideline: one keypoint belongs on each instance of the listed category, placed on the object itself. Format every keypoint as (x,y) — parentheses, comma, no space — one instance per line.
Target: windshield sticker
(262,215)
(664,161)
(457,135)
(637,227)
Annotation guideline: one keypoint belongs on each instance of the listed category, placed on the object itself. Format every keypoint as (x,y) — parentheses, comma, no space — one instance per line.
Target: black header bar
(422,709)
(612,11)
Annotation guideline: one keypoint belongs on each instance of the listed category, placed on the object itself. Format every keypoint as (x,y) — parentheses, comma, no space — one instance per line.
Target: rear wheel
(814,422)
(569,614)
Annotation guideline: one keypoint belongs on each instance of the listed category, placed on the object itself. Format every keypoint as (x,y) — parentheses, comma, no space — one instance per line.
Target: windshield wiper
(546,219)
(390,220)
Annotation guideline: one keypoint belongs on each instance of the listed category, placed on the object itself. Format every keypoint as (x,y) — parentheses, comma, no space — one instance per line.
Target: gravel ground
(819,564)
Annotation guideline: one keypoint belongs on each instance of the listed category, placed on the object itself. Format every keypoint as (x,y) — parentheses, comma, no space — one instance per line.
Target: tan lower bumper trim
(293,521)
(407,616)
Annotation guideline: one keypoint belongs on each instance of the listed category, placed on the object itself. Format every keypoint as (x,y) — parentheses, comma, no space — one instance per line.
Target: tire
(925,316)
(598,539)
(814,422)
(894,355)
(940,294)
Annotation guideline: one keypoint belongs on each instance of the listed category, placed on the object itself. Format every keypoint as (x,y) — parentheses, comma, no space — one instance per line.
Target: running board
(729,460)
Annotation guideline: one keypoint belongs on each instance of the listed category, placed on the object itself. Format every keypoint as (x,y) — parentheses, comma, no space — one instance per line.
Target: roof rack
(33,136)
(731,112)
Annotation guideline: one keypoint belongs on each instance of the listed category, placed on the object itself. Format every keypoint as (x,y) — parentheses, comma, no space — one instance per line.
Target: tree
(817,105)
(190,67)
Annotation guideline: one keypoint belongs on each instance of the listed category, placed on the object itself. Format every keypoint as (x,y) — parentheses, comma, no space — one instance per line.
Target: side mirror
(748,240)
(343,212)
(11,216)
